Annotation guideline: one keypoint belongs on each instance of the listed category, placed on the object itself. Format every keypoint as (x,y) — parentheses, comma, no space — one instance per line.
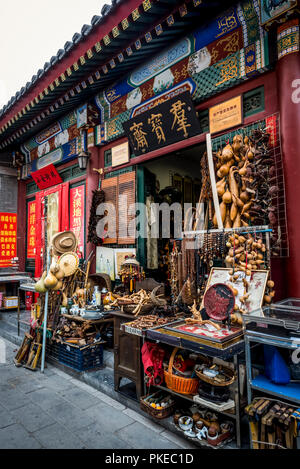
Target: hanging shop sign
(225,115)
(8,238)
(120,154)
(31,230)
(168,123)
(77,215)
(46,177)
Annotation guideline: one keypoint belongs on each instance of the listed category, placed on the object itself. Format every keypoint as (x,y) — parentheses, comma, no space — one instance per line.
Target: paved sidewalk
(54,410)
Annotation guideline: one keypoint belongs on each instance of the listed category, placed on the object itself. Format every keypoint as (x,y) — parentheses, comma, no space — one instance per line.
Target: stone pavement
(54,410)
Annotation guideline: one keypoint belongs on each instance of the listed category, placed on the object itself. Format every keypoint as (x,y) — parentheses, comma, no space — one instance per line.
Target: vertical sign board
(8,238)
(77,215)
(31,229)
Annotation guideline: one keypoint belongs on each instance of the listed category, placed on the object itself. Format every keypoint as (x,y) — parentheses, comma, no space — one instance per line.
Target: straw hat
(64,241)
(69,263)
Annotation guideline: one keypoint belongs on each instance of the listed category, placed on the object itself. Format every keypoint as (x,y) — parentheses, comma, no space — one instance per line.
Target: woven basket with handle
(230,377)
(178,383)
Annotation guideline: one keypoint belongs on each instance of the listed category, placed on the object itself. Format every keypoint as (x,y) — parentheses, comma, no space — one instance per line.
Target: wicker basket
(227,371)
(177,383)
(156,413)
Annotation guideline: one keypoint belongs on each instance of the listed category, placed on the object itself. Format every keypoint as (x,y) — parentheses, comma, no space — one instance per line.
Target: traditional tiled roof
(124,36)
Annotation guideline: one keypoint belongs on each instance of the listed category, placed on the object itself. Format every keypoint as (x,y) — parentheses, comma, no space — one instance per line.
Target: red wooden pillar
(288,79)
(92,182)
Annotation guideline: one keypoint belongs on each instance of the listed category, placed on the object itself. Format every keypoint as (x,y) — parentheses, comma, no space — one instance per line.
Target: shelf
(190,399)
(289,391)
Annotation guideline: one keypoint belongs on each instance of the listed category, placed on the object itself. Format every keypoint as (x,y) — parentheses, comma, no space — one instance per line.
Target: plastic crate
(84,358)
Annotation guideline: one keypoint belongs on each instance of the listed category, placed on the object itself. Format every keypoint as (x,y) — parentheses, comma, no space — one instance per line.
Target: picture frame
(257,281)
(105,261)
(120,255)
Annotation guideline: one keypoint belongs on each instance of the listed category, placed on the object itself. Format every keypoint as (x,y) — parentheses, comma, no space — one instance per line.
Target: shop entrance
(174,178)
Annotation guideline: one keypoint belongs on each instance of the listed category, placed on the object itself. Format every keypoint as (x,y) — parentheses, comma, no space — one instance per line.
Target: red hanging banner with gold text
(77,215)
(8,238)
(31,229)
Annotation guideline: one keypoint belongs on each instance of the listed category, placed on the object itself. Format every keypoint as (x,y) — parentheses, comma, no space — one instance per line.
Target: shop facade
(144,120)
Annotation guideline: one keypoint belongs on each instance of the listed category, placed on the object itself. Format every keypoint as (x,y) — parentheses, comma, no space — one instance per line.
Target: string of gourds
(98,198)
(238,166)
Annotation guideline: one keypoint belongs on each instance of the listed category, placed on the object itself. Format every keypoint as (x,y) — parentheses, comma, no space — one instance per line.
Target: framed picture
(271,9)
(120,255)
(257,285)
(105,261)
(177,182)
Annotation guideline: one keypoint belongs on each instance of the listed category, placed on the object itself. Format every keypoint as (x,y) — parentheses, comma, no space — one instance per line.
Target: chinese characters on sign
(8,238)
(225,115)
(168,123)
(77,215)
(31,229)
(46,177)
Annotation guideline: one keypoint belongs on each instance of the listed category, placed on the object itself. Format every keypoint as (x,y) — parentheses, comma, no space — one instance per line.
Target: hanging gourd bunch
(245,253)
(234,181)
(269,293)
(54,279)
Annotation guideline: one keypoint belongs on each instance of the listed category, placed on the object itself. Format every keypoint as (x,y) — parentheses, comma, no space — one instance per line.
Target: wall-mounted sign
(77,215)
(31,229)
(120,154)
(167,123)
(46,177)
(271,9)
(8,238)
(225,115)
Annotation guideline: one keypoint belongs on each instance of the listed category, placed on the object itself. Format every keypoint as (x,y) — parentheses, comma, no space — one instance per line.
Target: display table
(231,353)
(127,354)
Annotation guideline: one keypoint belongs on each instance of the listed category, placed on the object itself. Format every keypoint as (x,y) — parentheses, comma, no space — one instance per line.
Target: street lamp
(83,158)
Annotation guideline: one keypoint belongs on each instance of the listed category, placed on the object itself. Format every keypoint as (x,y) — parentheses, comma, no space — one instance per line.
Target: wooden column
(288,79)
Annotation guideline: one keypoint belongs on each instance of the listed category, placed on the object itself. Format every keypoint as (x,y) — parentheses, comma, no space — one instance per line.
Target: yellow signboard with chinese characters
(120,154)
(226,115)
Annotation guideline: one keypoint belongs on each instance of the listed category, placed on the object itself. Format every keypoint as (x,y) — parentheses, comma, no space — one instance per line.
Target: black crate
(83,358)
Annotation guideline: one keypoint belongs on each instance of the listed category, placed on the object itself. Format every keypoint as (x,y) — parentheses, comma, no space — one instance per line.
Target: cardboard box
(10,302)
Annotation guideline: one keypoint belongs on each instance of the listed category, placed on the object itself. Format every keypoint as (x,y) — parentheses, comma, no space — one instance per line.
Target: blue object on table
(275,367)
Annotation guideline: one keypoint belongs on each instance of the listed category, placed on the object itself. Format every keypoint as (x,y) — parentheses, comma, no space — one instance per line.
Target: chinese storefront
(198,114)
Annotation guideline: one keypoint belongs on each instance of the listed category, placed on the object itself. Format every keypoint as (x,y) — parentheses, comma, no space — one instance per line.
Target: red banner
(271,129)
(8,238)
(31,229)
(46,177)
(77,215)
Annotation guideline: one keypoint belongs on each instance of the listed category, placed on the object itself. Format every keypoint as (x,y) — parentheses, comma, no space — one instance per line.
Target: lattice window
(115,188)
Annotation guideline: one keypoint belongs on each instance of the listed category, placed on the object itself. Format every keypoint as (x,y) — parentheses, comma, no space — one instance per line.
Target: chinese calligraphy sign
(225,115)
(77,215)
(46,177)
(31,229)
(8,238)
(168,123)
